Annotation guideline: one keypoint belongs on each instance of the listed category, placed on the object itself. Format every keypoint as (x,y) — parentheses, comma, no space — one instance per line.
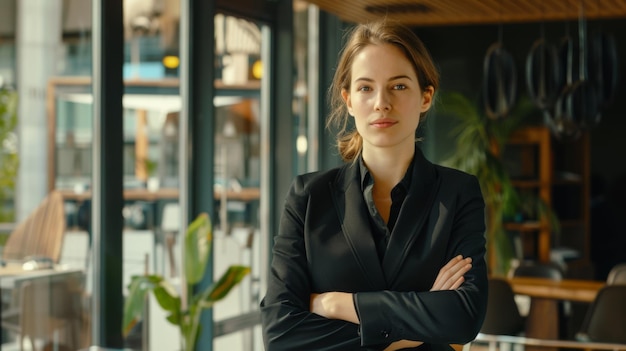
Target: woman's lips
(383,123)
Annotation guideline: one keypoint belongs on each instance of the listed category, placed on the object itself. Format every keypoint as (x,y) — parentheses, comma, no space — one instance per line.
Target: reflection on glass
(237,170)
(237,50)
(237,176)
(150,141)
(150,163)
(45,298)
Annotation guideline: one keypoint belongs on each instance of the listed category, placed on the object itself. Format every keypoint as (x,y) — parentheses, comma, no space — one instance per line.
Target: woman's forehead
(382,60)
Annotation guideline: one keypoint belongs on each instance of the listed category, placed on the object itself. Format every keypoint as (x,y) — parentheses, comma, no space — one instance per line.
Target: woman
(387,251)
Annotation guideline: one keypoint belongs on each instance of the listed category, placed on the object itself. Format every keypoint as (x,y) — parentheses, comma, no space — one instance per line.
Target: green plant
(9,160)
(479,143)
(151,166)
(197,243)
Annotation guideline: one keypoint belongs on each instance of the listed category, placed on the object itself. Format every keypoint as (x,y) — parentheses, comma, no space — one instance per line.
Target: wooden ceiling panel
(457,12)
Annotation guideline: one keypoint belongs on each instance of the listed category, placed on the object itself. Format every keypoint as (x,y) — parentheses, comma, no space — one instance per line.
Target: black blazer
(325,244)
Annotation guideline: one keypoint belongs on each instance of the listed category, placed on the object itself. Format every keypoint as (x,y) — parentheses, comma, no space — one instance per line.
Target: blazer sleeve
(438,317)
(286,319)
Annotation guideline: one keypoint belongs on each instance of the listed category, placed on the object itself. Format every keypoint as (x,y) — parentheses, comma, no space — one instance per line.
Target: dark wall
(459,53)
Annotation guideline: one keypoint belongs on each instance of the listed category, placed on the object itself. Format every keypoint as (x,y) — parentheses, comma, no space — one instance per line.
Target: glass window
(151,212)
(238,172)
(45,291)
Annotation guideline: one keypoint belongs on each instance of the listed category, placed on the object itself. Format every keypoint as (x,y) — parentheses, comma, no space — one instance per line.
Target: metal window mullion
(313,83)
(107,173)
(197,141)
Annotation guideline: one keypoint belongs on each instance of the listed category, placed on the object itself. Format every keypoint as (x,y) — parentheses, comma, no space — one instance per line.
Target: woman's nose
(382,101)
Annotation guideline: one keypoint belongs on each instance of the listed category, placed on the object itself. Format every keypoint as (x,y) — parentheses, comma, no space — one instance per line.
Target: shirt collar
(366,177)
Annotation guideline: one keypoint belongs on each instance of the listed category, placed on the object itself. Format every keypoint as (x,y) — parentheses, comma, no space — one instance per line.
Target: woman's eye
(364,88)
(399,87)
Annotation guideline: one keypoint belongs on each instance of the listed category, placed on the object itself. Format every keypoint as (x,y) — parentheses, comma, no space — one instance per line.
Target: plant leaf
(219,289)
(168,299)
(134,304)
(479,142)
(197,248)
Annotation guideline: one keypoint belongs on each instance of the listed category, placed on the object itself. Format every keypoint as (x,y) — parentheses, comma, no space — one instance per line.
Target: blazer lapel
(352,212)
(413,215)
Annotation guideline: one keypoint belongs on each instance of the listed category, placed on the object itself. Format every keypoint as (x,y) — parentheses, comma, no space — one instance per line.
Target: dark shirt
(382,232)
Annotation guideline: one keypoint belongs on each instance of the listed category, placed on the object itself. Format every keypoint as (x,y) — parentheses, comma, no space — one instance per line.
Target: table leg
(543,321)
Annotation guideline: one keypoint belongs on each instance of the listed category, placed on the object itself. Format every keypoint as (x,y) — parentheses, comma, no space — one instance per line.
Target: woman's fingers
(458,283)
(451,275)
(443,272)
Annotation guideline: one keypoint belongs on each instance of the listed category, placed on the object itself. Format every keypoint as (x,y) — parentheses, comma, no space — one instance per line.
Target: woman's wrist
(343,306)
(335,305)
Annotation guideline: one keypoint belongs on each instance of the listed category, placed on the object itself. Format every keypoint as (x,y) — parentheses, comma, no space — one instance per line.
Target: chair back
(40,234)
(606,318)
(503,316)
(617,275)
(538,270)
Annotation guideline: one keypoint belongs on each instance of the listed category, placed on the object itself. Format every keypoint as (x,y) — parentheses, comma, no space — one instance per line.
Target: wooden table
(12,271)
(566,289)
(243,194)
(543,318)
(542,344)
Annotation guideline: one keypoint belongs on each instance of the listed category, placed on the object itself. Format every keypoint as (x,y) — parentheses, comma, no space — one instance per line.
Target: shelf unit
(528,159)
(571,193)
(557,172)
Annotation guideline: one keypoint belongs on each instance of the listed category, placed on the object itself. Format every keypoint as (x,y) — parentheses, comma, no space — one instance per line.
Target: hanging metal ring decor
(542,75)
(560,124)
(577,106)
(499,81)
(604,67)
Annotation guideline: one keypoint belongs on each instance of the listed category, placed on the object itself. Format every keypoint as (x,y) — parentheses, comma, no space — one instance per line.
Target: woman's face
(385,97)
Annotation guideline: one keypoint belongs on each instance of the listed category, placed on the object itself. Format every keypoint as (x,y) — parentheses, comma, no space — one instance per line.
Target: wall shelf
(558,173)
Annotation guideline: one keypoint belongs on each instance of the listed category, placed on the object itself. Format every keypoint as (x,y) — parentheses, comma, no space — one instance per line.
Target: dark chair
(503,316)
(617,275)
(547,270)
(538,270)
(606,318)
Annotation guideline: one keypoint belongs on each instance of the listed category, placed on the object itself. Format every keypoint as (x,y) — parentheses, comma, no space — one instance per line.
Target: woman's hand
(334,305)
(339,305)
(450,276)
(402,344)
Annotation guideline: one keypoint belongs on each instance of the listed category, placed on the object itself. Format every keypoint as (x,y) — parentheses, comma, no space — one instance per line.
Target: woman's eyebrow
(366,79)
(402,76)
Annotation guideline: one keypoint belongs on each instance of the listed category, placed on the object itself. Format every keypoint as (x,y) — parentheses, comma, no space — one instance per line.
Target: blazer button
(384,334)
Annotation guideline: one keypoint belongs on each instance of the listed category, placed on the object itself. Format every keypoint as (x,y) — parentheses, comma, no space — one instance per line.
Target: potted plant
(480,142)
(197,241)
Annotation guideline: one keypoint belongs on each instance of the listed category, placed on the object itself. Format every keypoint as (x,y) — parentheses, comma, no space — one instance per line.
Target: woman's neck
(387,168)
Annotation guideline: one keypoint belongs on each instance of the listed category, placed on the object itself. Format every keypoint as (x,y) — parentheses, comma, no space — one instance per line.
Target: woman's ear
(345,95)
(427,98)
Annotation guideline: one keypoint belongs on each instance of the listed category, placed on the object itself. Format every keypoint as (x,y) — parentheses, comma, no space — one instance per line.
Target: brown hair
(349,142)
